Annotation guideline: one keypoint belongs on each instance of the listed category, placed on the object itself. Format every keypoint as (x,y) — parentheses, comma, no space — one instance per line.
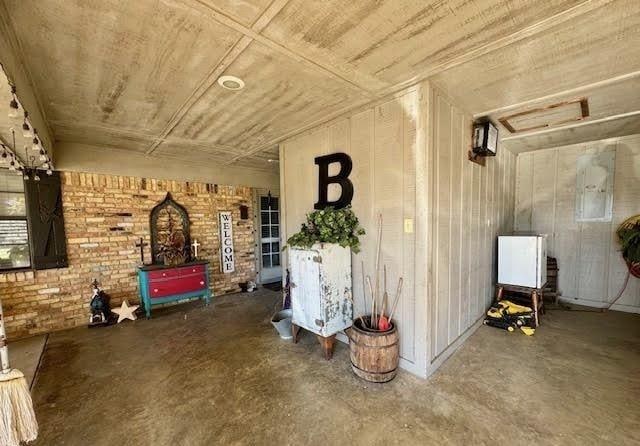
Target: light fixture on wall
(484,142)
(231,83)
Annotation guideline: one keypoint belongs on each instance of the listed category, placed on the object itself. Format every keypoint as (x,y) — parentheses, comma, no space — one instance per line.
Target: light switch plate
(408,225)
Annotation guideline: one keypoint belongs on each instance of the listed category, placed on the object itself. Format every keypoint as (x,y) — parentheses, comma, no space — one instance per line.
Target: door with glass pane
(270,270)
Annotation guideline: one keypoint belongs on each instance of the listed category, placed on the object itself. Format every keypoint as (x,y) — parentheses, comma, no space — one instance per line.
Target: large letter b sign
(342,178)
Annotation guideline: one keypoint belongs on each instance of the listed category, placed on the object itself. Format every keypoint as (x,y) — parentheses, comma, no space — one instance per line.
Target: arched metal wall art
(170,237)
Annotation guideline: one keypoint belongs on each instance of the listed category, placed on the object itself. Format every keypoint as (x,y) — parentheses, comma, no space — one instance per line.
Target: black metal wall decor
(342,178)
(244,212)
(170,237)
(46,222)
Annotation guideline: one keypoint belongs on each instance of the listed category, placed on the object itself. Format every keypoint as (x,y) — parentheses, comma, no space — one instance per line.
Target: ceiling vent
(548,116)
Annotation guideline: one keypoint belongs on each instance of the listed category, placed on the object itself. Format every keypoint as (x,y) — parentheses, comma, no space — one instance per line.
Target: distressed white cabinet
(321,289)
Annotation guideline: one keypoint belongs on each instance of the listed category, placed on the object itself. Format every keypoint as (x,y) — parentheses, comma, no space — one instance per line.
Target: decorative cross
(141,244)
(195,245)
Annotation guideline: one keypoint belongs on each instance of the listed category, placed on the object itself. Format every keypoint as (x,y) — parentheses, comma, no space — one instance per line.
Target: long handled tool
(17,419)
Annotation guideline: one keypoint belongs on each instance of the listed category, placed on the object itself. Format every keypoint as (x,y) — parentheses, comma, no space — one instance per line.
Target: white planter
(321,288)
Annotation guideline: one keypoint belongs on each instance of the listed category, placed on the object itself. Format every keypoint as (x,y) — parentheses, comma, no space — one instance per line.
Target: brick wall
(101,244)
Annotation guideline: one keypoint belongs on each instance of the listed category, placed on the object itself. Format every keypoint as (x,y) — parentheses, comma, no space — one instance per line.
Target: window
(14,234)
(270,232)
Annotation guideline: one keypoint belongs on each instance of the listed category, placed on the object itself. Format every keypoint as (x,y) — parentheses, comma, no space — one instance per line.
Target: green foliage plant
(329,225)
(629,238)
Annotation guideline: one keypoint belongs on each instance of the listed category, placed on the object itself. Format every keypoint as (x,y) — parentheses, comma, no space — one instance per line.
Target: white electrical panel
(594,186)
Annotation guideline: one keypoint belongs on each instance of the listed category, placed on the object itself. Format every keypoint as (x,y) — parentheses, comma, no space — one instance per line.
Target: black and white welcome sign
(227,258)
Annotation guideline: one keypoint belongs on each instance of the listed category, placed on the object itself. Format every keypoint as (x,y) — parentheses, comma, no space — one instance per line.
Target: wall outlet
(408,225)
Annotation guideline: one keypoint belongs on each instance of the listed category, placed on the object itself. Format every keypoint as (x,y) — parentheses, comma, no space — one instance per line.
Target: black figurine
(100,310)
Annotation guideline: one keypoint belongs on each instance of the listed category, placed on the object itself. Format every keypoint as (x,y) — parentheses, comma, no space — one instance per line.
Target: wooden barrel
(374,354)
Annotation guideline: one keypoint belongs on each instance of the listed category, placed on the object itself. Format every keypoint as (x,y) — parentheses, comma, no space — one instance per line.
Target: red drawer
(164,274)
(175,272)
(178,285)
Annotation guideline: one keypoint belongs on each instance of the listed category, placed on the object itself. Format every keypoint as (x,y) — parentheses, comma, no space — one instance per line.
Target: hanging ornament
(14,108)
(36,142)
(27,131)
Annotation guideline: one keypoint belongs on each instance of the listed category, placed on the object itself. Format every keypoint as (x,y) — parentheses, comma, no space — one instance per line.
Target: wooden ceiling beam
(560,94)
(226,60)
(527,32)
(14,45)
(183,142)
(572,126)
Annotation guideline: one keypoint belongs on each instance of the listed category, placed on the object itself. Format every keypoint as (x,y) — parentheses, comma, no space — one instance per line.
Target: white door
(270,270)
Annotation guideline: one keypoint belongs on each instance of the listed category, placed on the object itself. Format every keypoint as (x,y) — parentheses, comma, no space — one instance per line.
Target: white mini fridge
(522,260)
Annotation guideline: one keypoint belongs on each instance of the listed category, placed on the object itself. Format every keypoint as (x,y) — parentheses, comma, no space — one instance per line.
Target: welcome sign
(227,257)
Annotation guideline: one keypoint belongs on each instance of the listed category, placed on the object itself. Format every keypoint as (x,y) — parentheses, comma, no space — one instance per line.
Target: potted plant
(320,264)
(329,225)
(629,238)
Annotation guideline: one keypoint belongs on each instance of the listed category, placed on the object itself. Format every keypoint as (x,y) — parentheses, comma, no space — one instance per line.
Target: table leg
(327,345)
(295,332)
(534,300)
(499,295)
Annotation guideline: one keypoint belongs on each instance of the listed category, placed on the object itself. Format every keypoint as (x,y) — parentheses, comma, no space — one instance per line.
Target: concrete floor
(220,375)
(24,355)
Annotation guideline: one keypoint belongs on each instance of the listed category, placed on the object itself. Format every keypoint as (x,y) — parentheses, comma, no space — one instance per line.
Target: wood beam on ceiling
(354,78)
(561,94)
(527,32)
(151,137)
(226,60)
(14,44)
(572,126)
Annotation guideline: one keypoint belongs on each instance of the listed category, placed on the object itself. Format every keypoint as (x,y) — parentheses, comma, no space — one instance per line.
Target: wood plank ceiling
(141,75)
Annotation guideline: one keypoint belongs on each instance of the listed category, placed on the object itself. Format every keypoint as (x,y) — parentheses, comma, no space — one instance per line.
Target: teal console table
(160,284)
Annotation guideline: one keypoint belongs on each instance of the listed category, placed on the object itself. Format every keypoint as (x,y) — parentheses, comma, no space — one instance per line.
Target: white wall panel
(383,143)
(410,162)
(468,211)
(591,268)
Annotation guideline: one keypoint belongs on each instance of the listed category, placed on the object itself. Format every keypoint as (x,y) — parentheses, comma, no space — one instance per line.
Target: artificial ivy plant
(329,225)
(629,237)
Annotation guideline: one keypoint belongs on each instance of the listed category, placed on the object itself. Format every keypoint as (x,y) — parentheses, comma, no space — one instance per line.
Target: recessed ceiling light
(231,83)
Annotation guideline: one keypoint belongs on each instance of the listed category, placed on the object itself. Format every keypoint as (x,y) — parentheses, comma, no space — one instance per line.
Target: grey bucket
(282,321)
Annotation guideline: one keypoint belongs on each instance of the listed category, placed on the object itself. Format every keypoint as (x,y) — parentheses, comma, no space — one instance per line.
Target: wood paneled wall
(388,163)
(591,268)
(470,205)
(410,163)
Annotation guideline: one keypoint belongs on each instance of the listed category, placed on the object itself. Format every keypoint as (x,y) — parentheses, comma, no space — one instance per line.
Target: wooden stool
(535,296)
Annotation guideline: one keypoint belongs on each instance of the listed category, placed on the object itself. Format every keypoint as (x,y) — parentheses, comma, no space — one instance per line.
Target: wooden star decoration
(126,312)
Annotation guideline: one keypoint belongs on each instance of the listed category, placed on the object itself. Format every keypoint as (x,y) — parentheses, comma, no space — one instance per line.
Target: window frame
(24,218)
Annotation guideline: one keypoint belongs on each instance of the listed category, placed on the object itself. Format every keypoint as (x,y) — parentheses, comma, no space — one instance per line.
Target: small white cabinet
(321,288)
(522,260)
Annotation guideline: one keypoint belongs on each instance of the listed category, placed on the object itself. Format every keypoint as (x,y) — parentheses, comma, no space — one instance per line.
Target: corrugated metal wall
(591,268)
